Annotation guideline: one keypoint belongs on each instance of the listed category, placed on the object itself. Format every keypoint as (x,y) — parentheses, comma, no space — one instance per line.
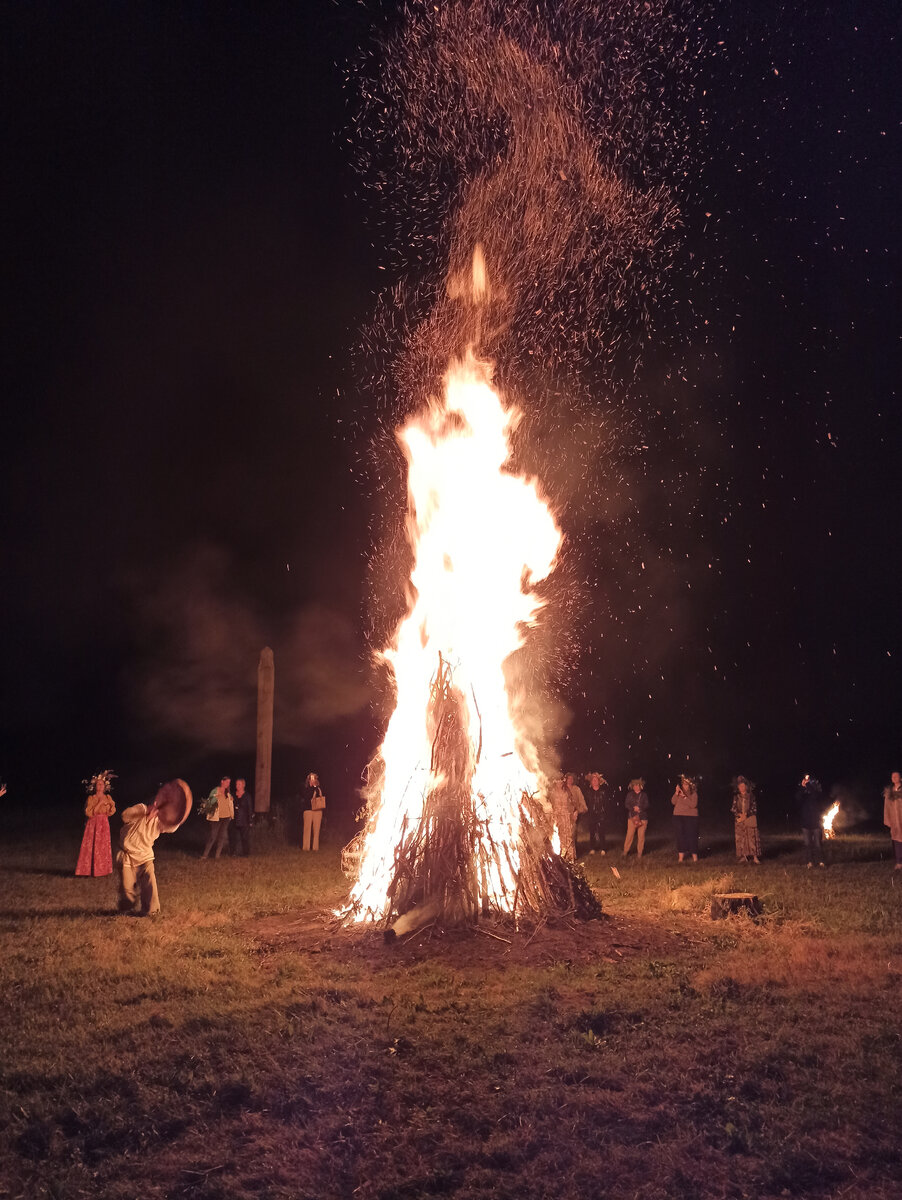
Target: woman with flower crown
(96,854)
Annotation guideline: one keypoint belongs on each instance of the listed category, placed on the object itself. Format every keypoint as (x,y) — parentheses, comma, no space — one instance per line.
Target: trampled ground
(239,1046)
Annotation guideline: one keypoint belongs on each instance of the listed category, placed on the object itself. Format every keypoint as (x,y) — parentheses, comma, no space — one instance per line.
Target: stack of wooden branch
(447,865)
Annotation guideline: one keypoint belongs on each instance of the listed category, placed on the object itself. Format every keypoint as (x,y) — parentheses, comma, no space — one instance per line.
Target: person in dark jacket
(635,802)
(812,805)
(240,829)
(597,795)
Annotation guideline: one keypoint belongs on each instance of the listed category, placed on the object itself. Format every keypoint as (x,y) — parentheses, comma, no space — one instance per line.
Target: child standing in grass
(141,826)
(892,814)
(96,854)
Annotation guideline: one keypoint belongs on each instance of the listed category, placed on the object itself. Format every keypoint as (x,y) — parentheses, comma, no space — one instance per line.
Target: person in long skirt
(96,854)
(745,818)
(685,817)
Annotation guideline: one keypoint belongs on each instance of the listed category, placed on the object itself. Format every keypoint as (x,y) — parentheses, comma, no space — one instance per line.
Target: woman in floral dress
(96,854)
(745,815)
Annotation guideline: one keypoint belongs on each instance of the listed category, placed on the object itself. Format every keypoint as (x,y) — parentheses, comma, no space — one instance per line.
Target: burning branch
(829,817)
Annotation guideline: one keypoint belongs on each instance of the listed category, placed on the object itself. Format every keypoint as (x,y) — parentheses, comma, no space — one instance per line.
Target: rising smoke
(200,642)
(545,134)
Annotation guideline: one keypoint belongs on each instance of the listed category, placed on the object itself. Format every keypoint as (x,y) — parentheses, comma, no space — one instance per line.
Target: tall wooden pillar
(266,682)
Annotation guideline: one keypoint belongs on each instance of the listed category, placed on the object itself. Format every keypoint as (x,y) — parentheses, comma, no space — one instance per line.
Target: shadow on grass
(31,914)
(56,872)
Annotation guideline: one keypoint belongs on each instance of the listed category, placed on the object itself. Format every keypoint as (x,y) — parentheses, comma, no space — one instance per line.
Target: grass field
(238,1046)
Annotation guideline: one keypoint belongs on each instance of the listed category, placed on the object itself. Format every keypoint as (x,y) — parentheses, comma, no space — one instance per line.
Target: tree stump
(724,904)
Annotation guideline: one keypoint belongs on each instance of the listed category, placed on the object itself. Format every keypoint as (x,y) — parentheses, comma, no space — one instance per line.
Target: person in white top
(142,824)
(219,808)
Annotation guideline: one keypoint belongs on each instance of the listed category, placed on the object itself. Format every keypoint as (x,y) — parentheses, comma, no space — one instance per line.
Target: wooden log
(413,919)
(266,680)
(724,904)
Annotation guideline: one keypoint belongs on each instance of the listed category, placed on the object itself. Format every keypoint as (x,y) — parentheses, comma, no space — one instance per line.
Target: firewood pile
(448,867)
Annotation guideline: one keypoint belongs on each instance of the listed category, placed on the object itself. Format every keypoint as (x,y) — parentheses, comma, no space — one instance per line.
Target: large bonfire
(458,826)
(513,142)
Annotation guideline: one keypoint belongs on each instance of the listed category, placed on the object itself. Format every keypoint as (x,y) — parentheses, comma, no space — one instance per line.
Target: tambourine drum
(173,802)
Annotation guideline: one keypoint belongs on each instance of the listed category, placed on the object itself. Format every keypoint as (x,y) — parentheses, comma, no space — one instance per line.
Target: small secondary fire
(829,818)
(456,824)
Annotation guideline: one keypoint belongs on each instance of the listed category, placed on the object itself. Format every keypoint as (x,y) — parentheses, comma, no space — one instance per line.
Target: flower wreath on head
(106,776)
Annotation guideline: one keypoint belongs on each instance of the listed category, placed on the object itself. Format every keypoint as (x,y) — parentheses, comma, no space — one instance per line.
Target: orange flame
(482,537)
(829,818)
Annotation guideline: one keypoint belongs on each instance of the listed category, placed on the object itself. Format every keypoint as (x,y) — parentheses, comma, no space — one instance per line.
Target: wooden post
(266,680)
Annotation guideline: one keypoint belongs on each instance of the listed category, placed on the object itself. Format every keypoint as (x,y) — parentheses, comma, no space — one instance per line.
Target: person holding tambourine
(314,800)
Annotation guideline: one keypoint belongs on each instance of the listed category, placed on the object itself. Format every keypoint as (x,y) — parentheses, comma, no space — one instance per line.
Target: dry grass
(239,1047)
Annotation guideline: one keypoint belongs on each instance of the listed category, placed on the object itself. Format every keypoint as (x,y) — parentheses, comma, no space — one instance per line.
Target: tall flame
(482,537)
(829,817)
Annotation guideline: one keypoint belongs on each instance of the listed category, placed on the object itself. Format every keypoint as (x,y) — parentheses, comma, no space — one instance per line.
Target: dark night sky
(191,264)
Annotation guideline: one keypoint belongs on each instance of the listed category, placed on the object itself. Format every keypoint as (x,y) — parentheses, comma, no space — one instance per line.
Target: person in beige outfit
(314,801)
(564,815)
(220,809)
(142,824)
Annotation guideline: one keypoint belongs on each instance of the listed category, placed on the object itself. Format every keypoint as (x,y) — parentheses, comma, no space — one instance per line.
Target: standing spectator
(219,809)
(577,807)
(314,802)
(685,817)
(597,796)
(240,829)
(636,804)
(564,816)
(810,799)
(892,814)
(141,826)
(745,816)
(96,854)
